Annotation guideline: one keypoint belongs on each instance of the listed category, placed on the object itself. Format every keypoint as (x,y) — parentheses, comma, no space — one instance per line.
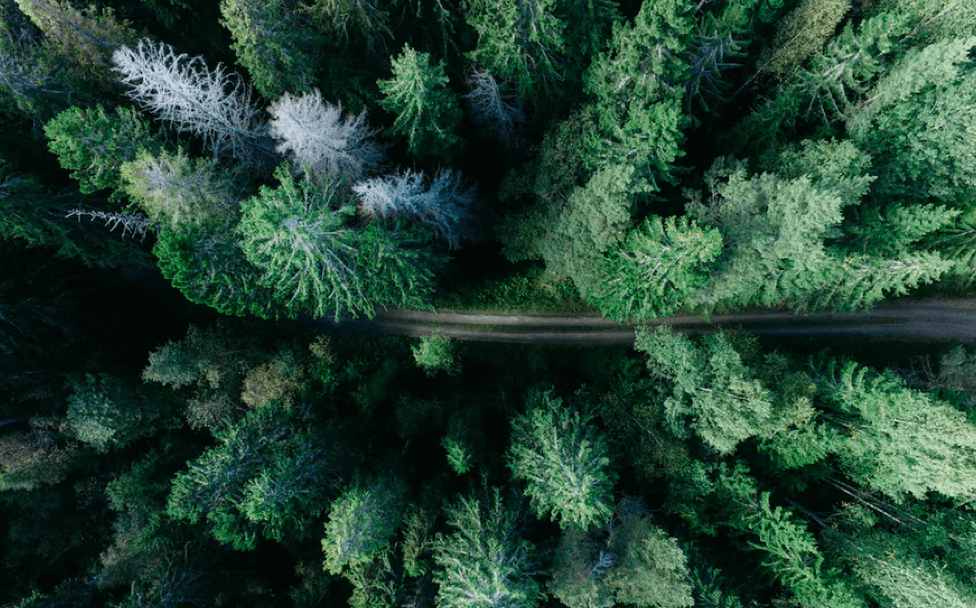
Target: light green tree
(711,390)
(178,192)
(362,521)
(802,33)
(637,104)
(484,562)
(564,462)
(656,268)
(895,440)
(435,353)
(916,122)
(295,235)
(427,111)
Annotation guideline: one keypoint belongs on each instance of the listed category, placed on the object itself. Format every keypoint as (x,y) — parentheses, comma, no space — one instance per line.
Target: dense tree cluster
(284,163)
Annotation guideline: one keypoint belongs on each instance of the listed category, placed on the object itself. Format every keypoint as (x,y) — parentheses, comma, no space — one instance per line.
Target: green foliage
(272,43)
(937,19)
(435,353)
(427,111)
(397,265)
(266,477)
(362,521)
(295,235)
(896,440)
(651,570)
(107,412)
(276,381)
(484,563)
(712,390)
(519,41)
(637,564)
(86,40)
(564,462)
(93,144)
(916,123)
(894,229)
(208,267)
(656,268)
(590,223)
(637,105)
(30,460)
(178,192)
(802,33)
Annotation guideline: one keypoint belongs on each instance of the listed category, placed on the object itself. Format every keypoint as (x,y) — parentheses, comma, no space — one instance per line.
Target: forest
(184,184)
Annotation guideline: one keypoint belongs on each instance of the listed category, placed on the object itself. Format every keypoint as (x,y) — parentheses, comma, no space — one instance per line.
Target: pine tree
(444,206)
(106,412)
(435,353)
(427,111)
(711,389)
(637,98)
(629,561)
(87,40)
(178,192)
(267,476)
(564,462)
(295,235)
(93,144)
(654,270)
(484,563)
(520,41)
(895,440)
(397,265)
(210,103)
(362,521)
(802,33)
(915,125)
(272,43)
(314,135)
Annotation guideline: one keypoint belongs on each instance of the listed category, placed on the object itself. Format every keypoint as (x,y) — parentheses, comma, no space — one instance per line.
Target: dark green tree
(93,144)
(519,41)
(427,111)
(273,44)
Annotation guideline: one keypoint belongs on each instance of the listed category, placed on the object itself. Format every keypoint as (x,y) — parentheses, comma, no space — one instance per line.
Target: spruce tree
(427,111)
(564,462)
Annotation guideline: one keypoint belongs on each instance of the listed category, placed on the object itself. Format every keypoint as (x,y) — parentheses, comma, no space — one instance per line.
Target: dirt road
(930,320)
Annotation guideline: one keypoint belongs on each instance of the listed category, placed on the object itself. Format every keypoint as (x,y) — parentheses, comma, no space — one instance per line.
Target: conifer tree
(564,462)
(520,41)
(272,43)
(483,562)
(178,192)
(445,206)
(295,235)
(711,389)
(210,103)
(313,134)
(427,111)
(362,521)
(656,268)
(802,33)
(87,40)
(915,125)
(493,108)
(93,144)
(895,440)
(637,97)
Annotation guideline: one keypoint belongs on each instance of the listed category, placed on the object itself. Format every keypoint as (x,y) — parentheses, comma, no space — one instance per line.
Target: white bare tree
(445,206)
(213,104)
(492,108)
(314,134)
